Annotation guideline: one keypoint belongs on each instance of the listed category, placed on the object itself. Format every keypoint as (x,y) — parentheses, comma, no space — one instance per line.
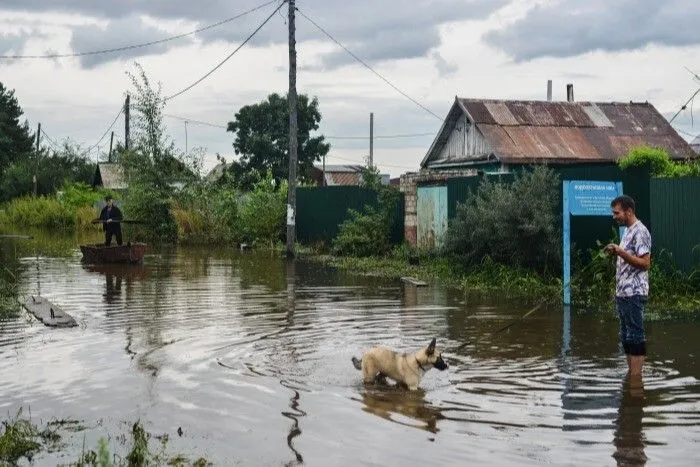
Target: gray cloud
(13,44)
(96,38)
(572,27)
(374,30)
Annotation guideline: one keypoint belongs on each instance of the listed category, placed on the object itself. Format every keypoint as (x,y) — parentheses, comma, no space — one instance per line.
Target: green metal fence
(676,219)
(585,231)
(321,210)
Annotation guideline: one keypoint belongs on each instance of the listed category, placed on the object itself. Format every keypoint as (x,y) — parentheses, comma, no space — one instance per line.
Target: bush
(368,233)
(148,205)
(207,214)
(516,225)
(263,212)
(658,162)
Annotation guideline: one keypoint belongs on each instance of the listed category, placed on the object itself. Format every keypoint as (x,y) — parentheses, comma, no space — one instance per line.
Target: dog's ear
(431,347)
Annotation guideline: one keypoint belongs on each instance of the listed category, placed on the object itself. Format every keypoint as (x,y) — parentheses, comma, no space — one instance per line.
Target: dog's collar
(421,366)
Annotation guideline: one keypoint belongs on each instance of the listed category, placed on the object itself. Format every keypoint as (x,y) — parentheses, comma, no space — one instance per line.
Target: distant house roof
(217,171)
(342,175)
(110,176)
(547,131)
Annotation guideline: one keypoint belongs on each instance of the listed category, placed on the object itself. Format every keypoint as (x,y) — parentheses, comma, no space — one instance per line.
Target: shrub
(517,225)
(368,233)
(263,212)
(658,162)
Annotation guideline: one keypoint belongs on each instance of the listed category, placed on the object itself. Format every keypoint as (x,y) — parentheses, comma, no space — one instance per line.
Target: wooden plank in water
(48,313)
(414,281)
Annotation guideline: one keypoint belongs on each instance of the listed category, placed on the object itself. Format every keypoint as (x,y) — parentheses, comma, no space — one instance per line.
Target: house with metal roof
(493,136)
(695,144)
(485,131)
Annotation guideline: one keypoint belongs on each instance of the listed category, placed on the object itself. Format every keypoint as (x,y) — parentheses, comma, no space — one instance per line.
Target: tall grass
(44,212)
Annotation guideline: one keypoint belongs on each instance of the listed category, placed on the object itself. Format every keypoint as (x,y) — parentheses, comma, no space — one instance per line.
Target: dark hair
(624,201)
(107,198)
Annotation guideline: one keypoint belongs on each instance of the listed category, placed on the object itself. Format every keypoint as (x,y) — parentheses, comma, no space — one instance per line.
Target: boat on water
(100,253)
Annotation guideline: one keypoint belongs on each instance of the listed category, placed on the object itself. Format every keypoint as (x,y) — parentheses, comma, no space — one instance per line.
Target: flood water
(250,356)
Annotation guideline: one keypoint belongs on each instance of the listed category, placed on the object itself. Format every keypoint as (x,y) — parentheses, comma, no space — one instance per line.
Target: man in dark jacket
(111,217)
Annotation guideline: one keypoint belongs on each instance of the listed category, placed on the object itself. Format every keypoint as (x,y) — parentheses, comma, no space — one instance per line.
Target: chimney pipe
(569,93)
(549,90)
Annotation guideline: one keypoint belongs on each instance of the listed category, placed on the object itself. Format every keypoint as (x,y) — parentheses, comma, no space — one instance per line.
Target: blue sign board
(591,198)
(584,198)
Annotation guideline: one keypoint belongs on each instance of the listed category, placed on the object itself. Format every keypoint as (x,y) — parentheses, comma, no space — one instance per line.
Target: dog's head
(430,356)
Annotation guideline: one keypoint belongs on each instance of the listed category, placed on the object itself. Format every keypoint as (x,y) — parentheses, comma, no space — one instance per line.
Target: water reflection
(629,435)
(388,401)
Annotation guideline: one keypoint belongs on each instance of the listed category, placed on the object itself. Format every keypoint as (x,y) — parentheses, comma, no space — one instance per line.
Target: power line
(685,106)
(137,46)
(53,143)
(363,163)
(229,56)
(87,151)
(369,67)
(407,135)
(215,125)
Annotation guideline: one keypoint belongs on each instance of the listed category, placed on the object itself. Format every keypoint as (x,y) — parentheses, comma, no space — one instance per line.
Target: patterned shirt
(631,280)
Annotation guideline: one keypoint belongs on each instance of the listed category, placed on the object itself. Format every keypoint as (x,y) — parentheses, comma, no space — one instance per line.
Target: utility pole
(292,98)
(126,122)
(111,141)
(371,139)
(186,148)
(36,166)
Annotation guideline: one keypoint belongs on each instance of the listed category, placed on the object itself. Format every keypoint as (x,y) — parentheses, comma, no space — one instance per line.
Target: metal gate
(432,216)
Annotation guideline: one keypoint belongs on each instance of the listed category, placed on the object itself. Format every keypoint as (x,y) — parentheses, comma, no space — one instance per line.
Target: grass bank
(673,294)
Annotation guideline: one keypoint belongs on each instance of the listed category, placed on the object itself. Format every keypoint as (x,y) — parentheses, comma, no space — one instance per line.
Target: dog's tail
(357,363)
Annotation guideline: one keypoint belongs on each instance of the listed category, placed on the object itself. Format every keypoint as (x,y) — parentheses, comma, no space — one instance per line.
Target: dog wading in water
(407,369)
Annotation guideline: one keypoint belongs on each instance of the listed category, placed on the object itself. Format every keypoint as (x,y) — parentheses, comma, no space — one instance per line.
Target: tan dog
(407,370)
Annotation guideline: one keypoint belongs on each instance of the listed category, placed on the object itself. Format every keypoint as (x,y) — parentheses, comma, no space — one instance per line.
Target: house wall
(409,187)
(464,141)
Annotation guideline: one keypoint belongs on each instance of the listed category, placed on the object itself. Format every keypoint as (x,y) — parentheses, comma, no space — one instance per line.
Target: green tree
(262,137)
(16,141)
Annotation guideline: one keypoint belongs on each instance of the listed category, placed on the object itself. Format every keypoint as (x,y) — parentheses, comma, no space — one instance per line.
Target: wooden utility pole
(36,165)
(111,142)
(126,122)
(371,139)
(292,98)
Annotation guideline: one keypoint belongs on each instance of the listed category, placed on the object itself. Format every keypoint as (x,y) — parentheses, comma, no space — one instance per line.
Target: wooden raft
(48,313)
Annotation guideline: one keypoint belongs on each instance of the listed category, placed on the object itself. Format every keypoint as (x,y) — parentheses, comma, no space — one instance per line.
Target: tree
(16,141)
(262,139)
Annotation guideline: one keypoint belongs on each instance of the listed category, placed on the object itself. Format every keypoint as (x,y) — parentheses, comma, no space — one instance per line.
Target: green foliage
(262,139)
(368,232)
(658,162)
(207,213)
(42,211)
(263,212)
(20,438)
(516,225)
(52,169)
(16,141)
(153,207)
(79,194)
(370,177)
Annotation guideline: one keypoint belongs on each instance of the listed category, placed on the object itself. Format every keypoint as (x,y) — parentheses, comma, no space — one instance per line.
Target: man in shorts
(631,280)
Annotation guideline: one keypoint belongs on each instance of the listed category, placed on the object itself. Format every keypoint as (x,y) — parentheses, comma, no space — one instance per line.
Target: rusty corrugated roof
(520,131)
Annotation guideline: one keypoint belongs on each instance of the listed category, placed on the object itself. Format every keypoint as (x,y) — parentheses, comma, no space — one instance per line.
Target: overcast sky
(432,50)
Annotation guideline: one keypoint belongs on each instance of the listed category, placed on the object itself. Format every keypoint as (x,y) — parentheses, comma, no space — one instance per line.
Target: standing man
(631,281)
(111,217)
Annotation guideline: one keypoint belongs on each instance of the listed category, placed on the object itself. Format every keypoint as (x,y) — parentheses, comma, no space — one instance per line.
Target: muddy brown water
(250,356)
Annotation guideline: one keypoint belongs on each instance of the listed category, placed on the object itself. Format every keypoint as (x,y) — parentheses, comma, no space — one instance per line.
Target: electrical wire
(87,151)
(137,46)
(229,56)
(369,67)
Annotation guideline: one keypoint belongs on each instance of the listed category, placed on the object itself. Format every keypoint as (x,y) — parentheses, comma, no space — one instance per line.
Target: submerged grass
(21,439)
(673,294)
